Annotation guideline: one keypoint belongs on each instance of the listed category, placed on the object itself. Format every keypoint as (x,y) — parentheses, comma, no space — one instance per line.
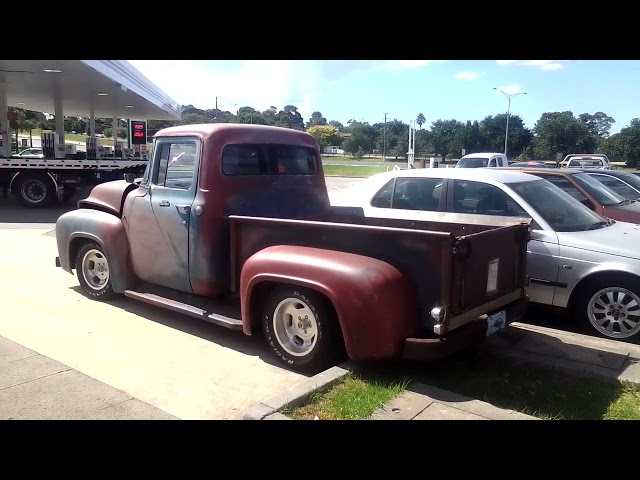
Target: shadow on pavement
(254,345)
(11,211)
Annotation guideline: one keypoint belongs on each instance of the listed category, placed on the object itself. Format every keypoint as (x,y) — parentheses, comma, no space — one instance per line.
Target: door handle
(164,203)
(183,208)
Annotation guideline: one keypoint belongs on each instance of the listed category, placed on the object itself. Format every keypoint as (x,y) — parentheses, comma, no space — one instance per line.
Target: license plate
(496,322)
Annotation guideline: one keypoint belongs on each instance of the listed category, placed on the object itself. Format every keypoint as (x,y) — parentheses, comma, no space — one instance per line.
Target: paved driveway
(185,367)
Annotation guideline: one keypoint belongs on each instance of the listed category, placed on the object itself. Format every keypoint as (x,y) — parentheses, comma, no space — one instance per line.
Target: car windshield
(559,209)
(631,179)
(603,194)
(472,162)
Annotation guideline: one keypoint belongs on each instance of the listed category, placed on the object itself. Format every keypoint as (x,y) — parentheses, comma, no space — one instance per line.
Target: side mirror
(129,177)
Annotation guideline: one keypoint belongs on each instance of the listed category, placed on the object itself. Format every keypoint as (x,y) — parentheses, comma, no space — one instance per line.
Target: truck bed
(443,256)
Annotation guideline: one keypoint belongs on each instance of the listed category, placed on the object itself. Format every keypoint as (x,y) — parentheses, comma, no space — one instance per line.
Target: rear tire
(35,191)
(302,330)
(92,270)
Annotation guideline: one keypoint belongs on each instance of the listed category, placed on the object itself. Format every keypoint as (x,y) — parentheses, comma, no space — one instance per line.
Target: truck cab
(481,160)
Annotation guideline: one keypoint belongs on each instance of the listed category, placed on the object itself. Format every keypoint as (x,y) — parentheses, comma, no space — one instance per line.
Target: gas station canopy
(111,88)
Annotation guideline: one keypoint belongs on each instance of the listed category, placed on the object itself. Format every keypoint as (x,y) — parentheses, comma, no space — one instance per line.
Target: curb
(296,395)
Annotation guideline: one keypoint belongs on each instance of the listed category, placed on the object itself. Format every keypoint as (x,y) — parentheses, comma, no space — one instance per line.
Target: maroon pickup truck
(232,224)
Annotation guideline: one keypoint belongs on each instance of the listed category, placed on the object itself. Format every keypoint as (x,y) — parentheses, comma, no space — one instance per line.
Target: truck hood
(620,239)
(108,197)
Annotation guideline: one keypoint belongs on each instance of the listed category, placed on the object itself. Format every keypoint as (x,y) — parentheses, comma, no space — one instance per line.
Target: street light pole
(506,132)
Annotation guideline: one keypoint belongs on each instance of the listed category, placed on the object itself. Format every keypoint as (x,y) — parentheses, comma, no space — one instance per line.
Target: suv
(479,160)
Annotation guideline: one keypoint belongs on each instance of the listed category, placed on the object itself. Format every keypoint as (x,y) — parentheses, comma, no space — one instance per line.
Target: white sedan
(578,261)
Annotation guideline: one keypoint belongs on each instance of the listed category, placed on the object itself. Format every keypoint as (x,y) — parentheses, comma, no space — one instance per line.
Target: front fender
(106,229)
(375,303)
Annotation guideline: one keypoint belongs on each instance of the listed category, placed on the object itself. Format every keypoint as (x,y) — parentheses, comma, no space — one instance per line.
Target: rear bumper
(431,349)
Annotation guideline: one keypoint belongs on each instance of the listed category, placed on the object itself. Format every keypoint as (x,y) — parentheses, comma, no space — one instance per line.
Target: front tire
(611,308)
(302,330)
(92,270)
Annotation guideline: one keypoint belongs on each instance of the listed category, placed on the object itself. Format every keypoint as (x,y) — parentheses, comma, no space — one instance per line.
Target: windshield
(631,179)
(559,209)
(603,194)
(472,162)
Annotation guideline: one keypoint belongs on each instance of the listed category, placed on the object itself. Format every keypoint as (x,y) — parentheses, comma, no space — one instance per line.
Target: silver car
(587,265)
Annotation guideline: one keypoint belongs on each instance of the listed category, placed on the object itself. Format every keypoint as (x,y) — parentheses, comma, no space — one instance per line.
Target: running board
(180,307)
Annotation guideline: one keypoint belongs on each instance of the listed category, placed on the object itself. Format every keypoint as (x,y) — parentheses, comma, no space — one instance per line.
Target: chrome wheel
(95,269)
(295,327)
(615,312)
(33,191)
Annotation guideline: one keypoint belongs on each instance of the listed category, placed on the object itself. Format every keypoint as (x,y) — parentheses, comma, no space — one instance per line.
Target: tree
(338,125)
(560,133)
(599,124)
(325,135)
(193,118)
(492,131)
(443,134)
(613,147)
(630,139)
(290,117)
(316,119)
(420,120)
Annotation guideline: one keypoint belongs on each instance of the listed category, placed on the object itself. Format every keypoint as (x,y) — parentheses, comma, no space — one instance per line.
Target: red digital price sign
(138,132)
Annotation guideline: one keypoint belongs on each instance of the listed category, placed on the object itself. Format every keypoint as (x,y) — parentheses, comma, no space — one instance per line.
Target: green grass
(352,398)
(70,137)
(338,158)
(348,171)
(537,391)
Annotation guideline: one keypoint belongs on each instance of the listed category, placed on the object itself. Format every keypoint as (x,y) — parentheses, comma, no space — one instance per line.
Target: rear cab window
(269,159)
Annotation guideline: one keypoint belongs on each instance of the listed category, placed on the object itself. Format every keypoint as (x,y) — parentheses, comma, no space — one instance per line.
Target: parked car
(590,192)
(584,264)
(478,160)
(623,183)
(587,161)
(31,153)
(532,164)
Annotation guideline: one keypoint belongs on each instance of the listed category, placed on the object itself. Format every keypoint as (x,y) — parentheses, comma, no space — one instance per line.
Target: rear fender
(375,303)
(77,226)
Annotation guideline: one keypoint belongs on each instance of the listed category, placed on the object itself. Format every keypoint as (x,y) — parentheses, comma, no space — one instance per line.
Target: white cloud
(258,83)
(467,76)
(541,64)
(510,89)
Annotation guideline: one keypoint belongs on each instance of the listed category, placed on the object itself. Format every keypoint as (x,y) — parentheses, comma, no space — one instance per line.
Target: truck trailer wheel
(92,270)
(301,329)
(34,191)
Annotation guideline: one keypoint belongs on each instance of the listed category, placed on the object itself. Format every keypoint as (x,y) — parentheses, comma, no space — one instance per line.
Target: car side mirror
(129,177)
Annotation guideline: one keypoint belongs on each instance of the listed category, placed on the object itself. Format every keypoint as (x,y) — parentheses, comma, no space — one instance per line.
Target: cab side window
(176,164)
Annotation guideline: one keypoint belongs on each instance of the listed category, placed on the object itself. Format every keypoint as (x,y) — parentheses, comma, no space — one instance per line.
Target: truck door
(165,213)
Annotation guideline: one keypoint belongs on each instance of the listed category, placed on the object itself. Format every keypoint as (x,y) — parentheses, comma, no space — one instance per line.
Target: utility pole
(216,103)
(384,138)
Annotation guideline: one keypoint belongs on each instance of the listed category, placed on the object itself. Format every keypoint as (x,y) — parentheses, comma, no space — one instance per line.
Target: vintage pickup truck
(232,224)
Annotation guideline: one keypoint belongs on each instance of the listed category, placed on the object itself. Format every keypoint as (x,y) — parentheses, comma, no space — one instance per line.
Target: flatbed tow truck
(39,182)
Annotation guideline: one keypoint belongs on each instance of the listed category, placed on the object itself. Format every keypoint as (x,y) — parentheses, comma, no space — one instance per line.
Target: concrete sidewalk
(572,353)
(35,387)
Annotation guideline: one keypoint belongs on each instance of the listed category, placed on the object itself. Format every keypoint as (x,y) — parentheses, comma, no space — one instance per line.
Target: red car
(598,197)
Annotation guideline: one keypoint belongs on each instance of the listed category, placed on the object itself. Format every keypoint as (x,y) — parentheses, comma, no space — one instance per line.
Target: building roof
(111,87)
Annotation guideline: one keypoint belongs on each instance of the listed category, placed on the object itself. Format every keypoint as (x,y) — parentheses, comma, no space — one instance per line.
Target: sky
(439,89)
